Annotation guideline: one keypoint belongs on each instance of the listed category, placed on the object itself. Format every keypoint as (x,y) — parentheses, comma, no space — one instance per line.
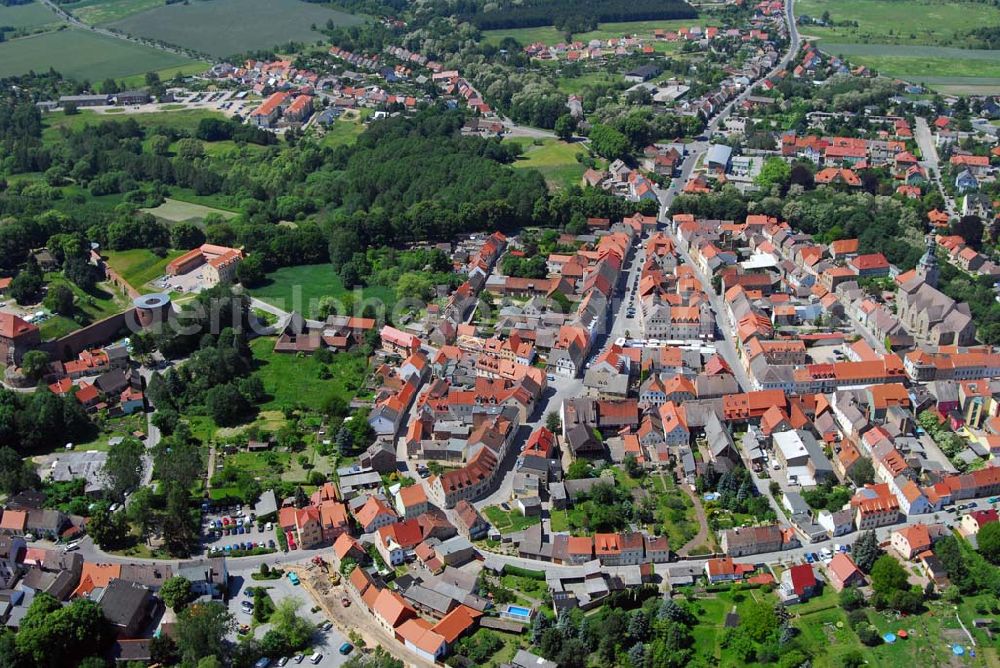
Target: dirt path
(703,536)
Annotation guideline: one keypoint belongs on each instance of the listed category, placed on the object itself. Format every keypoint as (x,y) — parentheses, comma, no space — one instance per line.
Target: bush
(869,635)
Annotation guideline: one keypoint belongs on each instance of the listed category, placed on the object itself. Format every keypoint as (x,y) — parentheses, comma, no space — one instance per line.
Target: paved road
(697,148)
(930,159)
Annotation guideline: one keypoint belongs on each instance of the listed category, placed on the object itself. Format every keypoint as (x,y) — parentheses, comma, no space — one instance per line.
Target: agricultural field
(98,12)
(175,211)
(27,17)
(82,55)
(931,65)
(550,35)
(139,265)
(301,288)
(554,159)
(213,28)
(292,380)
(913,22)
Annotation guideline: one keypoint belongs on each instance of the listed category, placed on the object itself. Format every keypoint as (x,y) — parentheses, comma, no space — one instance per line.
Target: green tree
(140,510)
(759,621)
(293,627)
(608,142)
(189,149)
(565,126)
(553,422)
(59,299)
(34,364)
(108,529)
(176,592)
(888,576)
(159,145)
(226,404)
(186,235)
(580,468)
(775,171)
(202,629)
(863,473)
(988,540)
(865,551)
(123,468)
(851,598)
(55,635)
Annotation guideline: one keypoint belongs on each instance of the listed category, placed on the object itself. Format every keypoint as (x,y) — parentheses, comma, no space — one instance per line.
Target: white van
(316,658)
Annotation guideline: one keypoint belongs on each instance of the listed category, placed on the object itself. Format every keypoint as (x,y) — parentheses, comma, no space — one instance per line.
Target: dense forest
(572,15)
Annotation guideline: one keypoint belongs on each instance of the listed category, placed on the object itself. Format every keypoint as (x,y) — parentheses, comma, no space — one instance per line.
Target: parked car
(317,657)
(282,661)
(346,648)
(298,658)
(293,578)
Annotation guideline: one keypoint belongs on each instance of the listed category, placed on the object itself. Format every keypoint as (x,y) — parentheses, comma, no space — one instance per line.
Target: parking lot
(231,520)
(326,643)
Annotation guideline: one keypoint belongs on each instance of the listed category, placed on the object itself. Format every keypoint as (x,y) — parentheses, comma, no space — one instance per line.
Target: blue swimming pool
(517,612)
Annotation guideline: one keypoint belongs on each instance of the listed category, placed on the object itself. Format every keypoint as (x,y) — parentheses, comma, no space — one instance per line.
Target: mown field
(33,15)
(291,380)
(175,211)
(139,266)
(224,27)
(914,22)
(95,12)
(82,55)
(301,288)
(550,35)
(555,159)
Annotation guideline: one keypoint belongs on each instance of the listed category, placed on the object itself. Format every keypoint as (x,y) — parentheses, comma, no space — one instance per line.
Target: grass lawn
(555,159)
(559,520)
(291,379)
(95,12)
(140,265)
(32,15)
(345,130)
(176,211)
(82,55)
(300,288)
(186,120)
(674,511)
(98,304)
(224,27)
(574,85)
(509,521)
(123,426)
(915,22)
